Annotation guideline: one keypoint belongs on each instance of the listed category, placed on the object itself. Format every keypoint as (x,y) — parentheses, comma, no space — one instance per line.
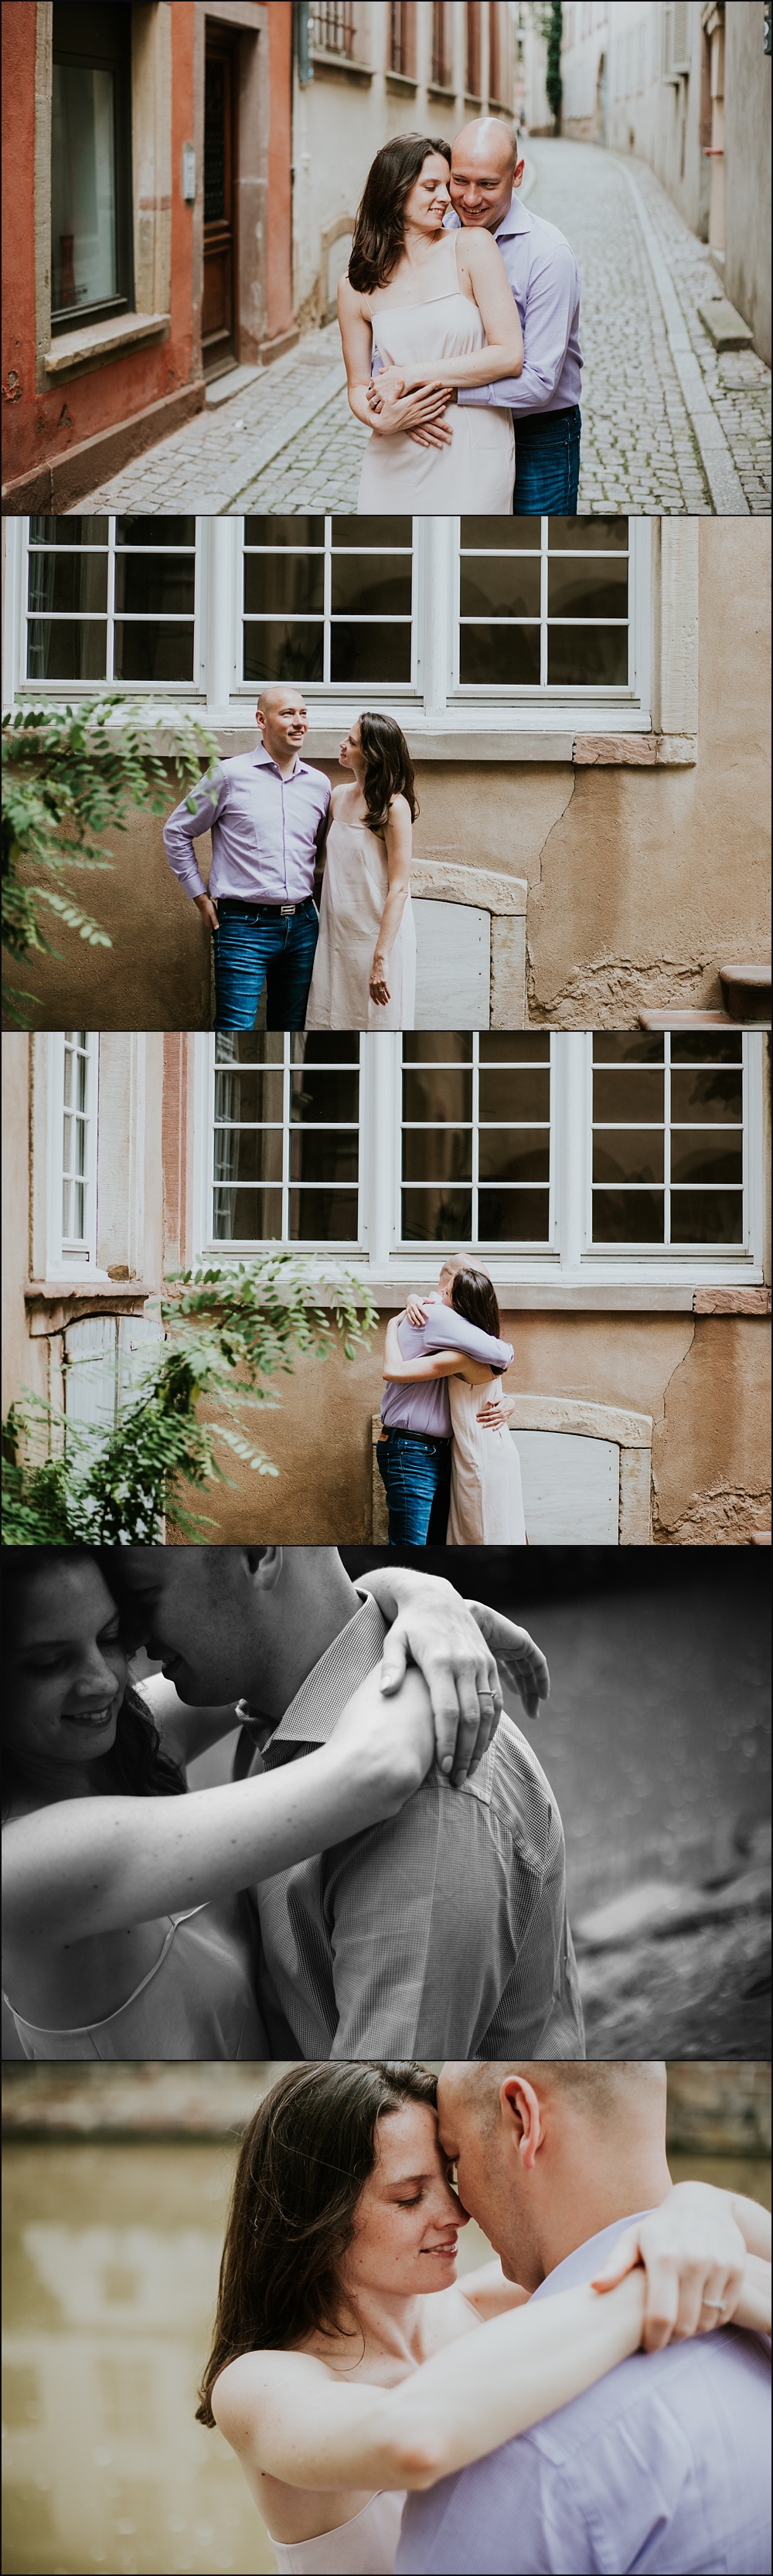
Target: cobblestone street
(668,423)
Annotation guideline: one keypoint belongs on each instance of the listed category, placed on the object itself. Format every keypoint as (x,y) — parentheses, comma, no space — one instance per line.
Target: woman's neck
(392,2329)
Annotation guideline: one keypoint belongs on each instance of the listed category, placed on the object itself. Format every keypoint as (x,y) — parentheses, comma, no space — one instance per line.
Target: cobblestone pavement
(668,423)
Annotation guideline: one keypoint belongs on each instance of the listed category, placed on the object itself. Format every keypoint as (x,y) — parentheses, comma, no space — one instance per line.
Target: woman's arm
(695,2248)
(426,403)
(285,2415)
(481,262)
(184,1731)
(402,1372)
(94,1864)
(398,849)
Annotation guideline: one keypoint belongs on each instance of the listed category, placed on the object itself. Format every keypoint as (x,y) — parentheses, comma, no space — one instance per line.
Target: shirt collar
(587,2259)
(313,1714)
(517,219)
(263,760)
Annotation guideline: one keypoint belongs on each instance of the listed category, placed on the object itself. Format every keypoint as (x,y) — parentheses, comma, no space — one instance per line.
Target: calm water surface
(111,2256)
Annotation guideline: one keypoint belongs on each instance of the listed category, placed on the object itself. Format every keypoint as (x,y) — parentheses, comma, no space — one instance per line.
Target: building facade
(585,702)
(616,1185)
(367,70)
(686,88)
(146,222)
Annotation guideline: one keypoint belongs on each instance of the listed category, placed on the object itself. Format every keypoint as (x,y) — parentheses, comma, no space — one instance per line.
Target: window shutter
(681,36)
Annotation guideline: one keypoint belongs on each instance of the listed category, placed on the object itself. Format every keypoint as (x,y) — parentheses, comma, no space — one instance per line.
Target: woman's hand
(451,1641)
(694,2257)
(378,986)
(522,1661)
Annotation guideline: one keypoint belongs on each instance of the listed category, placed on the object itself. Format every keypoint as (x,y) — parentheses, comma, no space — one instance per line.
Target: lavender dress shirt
(266,830)
(663,2467)
(425,1406)
(545,280)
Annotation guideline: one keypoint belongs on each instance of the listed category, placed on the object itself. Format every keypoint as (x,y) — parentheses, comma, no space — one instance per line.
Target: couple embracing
(446,1457)
(276,832)
(596,2399)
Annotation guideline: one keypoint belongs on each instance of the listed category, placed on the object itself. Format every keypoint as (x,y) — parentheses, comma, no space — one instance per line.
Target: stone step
(234,380)
(725,327)
(686,1020)
(747,993)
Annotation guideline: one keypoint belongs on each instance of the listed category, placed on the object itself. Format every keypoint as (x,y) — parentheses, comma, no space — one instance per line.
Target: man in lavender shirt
(664,2465)
(414,1448)
(267,812)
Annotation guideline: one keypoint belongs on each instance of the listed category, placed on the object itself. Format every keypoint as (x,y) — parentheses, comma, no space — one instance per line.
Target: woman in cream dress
(437,310)
(126,1933)
(365,964)
(486,1497)
(341,2347)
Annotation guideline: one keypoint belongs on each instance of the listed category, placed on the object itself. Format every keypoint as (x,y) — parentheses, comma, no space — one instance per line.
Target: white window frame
(433,708)
(633,692)
(210,1247)
(570,1261)
(324,688)
(161,690)
(478,1242)
(68,1255)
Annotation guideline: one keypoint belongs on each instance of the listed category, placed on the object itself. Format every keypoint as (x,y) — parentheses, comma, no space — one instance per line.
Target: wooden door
(218,315)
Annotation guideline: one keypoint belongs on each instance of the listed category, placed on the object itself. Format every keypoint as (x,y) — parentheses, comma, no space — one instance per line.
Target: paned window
(286,1140)
(442,69)
(668,1138)
(328,599)
(90,162)
(495,62)
(544,603)
(401,25)
(472,43)
(475,1138)
(111,599)
(72,1150)
(332,26)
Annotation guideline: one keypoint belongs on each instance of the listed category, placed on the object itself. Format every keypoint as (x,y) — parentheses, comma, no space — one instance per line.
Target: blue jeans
(416,1476)
(251,950)
(547,464)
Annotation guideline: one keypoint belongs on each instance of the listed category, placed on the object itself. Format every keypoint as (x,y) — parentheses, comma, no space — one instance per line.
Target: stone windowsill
(731,1301)
(402,84)
(568,1296)
(52,1304)
(635,751)
(340,67)
(438,89)
(96,342)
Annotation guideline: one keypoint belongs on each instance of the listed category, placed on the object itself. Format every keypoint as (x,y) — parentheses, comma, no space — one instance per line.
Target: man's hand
(436,434)
(694,2257)
(205,906)
(491,1414)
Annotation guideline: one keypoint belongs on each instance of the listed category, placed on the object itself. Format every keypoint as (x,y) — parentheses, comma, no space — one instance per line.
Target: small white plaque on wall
(571,1489)
(453,965)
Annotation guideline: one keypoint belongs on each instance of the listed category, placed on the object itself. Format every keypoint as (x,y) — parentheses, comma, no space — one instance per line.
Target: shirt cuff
(481,394)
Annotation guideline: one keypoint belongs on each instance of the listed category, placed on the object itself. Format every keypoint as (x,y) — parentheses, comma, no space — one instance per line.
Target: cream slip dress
(486,1498)
(366,2546)
(354,891)
(477,472)
(197,2001)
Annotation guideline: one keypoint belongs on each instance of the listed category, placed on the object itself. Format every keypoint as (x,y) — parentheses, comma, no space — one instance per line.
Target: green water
(111,2257)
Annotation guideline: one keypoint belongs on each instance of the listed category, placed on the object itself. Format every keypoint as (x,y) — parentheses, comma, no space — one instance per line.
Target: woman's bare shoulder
(256,2376)
(352,304)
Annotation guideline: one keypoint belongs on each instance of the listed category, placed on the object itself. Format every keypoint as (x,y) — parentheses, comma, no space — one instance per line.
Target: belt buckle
(286,910)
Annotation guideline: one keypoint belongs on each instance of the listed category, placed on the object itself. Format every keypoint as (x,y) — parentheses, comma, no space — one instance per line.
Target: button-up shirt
(441,1932)
(266,830)
(545,280)
(425,1404)
(662,2466)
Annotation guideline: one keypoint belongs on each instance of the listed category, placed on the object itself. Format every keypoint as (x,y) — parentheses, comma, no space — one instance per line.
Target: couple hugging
(382,1871)
(276,829)
(447,1461)
(459,321)
(598,2398)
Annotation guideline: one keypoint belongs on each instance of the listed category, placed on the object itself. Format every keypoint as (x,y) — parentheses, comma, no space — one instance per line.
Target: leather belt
(270,911)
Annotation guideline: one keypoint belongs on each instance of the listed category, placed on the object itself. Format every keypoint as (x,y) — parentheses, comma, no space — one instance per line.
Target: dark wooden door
(218,315)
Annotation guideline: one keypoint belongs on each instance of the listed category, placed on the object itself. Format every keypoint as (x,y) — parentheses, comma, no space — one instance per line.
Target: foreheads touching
(549,2152)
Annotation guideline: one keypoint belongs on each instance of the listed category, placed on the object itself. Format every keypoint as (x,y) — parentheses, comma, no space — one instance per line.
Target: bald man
(663,2466)
(484,183)
(267,812)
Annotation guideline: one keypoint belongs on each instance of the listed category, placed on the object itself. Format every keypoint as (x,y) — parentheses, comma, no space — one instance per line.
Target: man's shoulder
(548,242)
(511,1783)
(682,2387)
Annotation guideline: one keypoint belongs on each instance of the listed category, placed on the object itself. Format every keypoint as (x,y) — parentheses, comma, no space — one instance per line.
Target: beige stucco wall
(24,1363)
(704,1380)
(747,169)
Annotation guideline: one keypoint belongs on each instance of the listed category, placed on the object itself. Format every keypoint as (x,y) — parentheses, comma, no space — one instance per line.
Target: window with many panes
(543,604)
(286,1118)
(472,49)
(475,1138)
(111,599)
(401,37)
(551,1153)
(668,1138)
(332,26)
(72,1149)
(91,228)
(442,50)
(328,599)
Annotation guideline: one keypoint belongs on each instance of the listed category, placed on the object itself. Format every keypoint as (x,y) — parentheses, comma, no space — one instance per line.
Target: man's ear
(518,173)
(264,1566)
(520,2110)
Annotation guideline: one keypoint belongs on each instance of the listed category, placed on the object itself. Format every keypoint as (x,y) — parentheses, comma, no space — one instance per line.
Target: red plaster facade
(60,438)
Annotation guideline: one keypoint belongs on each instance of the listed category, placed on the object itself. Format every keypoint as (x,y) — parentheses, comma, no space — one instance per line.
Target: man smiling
(485,179)
(267,812)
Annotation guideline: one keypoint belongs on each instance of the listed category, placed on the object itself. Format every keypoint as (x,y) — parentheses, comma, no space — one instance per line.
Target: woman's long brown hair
(474,1296)
(388,769)
(302,2165)
(379,228)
